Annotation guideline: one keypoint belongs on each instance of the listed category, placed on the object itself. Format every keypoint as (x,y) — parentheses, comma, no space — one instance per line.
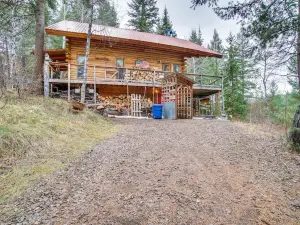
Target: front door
(121,70)
(166,67)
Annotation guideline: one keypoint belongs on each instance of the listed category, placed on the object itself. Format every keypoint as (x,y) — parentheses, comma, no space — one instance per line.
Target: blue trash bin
(157,111)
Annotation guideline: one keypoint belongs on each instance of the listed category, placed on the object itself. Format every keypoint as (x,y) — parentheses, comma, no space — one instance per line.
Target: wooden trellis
(178,88)
(136,105)
(184,102)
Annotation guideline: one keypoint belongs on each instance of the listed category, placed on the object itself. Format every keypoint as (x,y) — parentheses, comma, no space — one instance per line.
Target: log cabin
(129,71)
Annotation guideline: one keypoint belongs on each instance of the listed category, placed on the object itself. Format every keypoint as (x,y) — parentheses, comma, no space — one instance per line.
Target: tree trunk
(87,52)
(39,46)
(294,134)
(6,79)
(298,46)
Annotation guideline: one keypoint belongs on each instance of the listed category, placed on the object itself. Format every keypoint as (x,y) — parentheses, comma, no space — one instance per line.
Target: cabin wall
(106,53)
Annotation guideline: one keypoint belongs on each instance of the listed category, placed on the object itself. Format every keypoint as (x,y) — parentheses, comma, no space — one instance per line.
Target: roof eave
(190,52)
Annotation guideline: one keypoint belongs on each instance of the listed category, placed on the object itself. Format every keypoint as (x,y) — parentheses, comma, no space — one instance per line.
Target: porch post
(69,82)
(46,76)
(219,103)
(223,100)
(95,84)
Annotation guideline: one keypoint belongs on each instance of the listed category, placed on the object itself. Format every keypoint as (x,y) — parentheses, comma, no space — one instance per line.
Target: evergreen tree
(236,105)
(165,24)
(248,69)
(199,38)
(104,12)
(144,15)
(193,38)
(107,14)
(196,37)
(292,73)
(216,43)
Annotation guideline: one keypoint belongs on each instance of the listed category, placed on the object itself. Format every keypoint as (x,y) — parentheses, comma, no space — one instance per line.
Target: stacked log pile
(119,104)
(117,101)
(138,74)
(145,75)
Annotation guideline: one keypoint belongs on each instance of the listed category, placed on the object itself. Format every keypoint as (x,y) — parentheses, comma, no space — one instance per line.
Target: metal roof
(71,28)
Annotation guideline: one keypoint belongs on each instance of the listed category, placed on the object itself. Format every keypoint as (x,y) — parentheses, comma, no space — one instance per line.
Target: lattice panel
(184,102)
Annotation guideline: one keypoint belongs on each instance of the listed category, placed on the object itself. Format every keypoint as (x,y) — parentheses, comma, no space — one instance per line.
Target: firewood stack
(138,74)
(115,100)
(120,103)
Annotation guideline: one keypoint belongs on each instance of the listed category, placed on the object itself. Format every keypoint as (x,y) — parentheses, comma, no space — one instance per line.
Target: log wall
(105,53)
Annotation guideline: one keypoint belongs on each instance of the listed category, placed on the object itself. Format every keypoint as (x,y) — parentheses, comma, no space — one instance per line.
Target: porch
(105,83)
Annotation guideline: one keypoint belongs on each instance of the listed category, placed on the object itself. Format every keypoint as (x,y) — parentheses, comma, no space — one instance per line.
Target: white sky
(184,19)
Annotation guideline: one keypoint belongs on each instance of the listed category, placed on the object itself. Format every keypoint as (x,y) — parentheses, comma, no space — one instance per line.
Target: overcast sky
(184,18)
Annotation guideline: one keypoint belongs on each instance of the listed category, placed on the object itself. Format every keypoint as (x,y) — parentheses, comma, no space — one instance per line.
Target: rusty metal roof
(71,28)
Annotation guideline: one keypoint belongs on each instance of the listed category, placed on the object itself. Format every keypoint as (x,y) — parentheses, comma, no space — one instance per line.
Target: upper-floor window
(166,67)
(176,68)
(120,62)
(80,66)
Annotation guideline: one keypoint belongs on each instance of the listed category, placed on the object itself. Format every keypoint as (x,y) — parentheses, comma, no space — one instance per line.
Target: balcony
(72,73)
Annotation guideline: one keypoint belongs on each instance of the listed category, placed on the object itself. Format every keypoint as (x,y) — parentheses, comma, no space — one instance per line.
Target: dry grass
(38,136)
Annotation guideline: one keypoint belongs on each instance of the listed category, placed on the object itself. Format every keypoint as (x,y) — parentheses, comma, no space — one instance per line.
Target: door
(121,70)
(166,67)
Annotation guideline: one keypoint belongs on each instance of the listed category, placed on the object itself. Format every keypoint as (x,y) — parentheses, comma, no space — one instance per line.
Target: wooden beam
(69,81)
(95,100)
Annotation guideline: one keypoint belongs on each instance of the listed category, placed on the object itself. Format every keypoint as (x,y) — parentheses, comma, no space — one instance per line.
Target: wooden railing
(207,81)
(62,72)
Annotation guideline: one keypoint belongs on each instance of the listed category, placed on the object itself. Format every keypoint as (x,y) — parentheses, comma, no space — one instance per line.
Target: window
(166,67)
(80,66)
(120,62)
(176,68)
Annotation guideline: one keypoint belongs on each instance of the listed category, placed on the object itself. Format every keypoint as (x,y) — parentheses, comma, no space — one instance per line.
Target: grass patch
(38,136)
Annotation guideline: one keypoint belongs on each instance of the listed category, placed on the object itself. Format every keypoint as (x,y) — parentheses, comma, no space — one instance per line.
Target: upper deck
(61,73)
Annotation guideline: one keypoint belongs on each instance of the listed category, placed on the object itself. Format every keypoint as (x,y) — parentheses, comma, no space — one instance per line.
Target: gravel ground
(172,172)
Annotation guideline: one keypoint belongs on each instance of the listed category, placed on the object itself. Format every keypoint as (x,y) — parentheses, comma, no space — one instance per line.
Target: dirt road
(172,172)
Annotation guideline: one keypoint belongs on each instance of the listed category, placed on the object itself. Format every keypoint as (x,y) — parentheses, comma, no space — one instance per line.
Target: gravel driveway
(172,172)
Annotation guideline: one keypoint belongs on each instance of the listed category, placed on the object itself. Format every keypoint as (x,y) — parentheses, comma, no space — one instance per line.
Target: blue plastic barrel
(157,111)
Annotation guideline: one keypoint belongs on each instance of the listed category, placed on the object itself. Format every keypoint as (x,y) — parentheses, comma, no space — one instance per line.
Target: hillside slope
(39,135)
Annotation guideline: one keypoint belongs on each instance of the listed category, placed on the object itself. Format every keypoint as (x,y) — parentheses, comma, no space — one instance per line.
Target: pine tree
(214,63)
(248,69)
(216,43)
(144,15)
(236,105)
(292,72)
(199,38)
(194,37)
(104,10)
(107,14)
(165,24)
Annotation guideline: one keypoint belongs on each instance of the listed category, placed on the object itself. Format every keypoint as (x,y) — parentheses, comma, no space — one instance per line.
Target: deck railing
(107,74)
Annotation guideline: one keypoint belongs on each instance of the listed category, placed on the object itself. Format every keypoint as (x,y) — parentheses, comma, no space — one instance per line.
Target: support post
(194,68)
(201,81)
(191,101)
(153,90)
(219,102)
(95,100)
(128,98)
(46,76)
(223,100)
(69,82)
